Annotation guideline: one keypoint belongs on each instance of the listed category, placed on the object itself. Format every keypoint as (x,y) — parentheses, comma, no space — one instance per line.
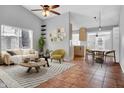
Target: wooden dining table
(99,50)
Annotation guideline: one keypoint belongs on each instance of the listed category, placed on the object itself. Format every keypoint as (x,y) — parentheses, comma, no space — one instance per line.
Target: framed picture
(57,35)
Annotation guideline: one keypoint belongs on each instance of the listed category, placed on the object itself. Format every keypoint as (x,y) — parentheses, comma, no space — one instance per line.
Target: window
(75,39)
(102,41)
(99,43)
(12,38)
(91,38)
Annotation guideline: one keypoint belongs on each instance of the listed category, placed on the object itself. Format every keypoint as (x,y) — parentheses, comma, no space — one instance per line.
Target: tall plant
(41,43)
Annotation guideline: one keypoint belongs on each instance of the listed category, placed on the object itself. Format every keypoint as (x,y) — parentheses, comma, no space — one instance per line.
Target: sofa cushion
(28,51)
(16,59)
(25,51)
(31,51)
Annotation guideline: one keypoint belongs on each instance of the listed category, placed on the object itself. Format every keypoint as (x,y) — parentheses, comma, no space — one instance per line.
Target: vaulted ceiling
(109,13)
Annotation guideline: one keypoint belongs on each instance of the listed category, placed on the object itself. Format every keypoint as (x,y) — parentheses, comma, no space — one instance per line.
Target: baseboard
(68,59)
(122,68)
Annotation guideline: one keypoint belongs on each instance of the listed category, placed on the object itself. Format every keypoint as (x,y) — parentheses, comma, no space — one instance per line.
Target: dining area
(100,56)
(103,47)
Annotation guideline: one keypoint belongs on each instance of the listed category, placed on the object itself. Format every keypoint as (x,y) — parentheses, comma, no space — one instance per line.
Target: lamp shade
(82,34)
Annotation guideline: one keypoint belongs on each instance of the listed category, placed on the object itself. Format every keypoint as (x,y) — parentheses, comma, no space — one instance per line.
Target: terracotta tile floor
(84,75)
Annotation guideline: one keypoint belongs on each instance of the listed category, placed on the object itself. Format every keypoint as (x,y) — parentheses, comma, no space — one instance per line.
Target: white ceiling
(109,13)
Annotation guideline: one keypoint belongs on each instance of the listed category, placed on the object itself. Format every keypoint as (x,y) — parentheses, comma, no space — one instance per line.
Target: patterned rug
(16,76)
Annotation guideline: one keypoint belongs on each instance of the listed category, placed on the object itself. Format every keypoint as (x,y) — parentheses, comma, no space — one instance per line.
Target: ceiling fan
(46,9)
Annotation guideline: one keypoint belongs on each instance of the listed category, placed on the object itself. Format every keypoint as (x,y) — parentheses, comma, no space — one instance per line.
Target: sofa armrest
(7,59)
(1,60)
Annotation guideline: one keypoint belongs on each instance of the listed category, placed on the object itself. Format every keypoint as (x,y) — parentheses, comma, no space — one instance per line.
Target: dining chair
(99,57)
(89,53)
(110,54)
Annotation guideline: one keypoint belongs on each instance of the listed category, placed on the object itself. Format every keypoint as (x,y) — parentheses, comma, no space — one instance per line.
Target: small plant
(41,43)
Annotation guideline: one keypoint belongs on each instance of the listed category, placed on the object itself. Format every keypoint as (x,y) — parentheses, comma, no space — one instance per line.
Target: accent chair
(58,55)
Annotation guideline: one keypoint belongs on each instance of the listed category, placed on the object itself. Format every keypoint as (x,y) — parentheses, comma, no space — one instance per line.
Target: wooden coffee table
(33,64)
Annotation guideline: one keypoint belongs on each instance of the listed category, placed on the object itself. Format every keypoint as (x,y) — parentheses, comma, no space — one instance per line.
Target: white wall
(78,21)
(18,16)
(90,23)
(122,37)
(116,42)
(52,25)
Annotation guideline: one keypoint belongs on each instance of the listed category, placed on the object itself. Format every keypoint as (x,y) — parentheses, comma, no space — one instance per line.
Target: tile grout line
(104,77)
(4,83)
(94,73)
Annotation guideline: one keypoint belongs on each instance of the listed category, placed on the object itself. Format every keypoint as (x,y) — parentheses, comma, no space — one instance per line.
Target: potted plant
(41,43)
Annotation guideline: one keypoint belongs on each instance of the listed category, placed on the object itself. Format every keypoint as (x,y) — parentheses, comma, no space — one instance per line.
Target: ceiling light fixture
(47,9)
(45,13)
(100,27)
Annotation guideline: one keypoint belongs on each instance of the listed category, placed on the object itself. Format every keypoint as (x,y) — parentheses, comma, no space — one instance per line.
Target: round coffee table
(33,64)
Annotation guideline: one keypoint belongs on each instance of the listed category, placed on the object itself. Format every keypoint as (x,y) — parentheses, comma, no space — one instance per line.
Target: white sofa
(21,54)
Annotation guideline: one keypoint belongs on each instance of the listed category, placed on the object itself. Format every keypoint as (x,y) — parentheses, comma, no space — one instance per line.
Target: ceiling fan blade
(36,10)
(42,5)
(54,12)
(54,6)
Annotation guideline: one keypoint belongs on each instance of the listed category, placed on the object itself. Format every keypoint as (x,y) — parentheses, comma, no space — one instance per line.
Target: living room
(52,39)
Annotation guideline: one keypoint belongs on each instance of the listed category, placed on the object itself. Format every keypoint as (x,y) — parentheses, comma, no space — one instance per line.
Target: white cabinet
(116,42)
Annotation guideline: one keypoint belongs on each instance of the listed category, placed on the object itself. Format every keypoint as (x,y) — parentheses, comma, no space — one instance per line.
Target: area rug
(16,76)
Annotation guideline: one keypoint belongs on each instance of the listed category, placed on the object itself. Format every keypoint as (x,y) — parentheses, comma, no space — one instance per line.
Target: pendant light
(100,27)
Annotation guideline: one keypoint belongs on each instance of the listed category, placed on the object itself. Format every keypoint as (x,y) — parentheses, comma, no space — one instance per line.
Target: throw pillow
(11,53)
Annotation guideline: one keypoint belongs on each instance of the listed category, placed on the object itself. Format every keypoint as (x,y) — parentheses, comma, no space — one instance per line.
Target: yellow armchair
(58,55)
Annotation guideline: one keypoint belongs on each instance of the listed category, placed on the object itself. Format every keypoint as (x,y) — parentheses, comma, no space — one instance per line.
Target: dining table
(97,50)
(100,50)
